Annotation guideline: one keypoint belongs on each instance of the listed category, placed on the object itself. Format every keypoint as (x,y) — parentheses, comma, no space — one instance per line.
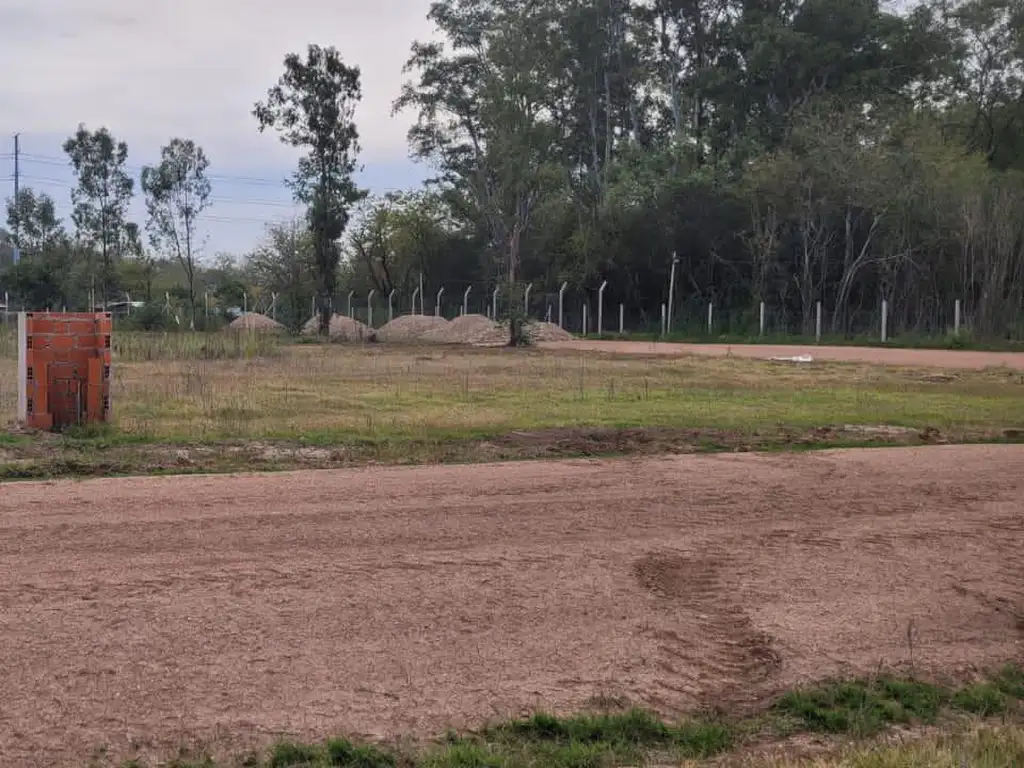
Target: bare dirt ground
(145,613)
(923,358)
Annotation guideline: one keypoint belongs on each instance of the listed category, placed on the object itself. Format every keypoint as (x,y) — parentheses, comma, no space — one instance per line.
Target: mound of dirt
(541,331)
(343,328)
(408,328)
(253,321)
(468,329)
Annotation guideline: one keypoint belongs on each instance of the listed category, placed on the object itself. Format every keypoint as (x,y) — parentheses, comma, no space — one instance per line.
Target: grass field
(387,403)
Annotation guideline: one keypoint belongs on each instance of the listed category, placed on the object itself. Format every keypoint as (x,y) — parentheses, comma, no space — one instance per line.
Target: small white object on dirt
(794,359)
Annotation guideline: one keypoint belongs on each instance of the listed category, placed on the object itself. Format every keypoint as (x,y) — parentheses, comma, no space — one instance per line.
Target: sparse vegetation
(855,708)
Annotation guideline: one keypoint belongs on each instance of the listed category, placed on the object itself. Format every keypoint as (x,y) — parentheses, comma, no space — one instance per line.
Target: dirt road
(914,358)
(148,612)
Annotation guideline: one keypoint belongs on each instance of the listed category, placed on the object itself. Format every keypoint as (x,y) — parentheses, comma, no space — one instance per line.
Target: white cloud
(153,69)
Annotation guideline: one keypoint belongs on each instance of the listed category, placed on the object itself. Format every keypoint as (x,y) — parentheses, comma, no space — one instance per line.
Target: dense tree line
(785,151)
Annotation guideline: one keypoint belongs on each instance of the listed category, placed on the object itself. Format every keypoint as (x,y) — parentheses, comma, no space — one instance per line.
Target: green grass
(862,708)
(856,708)
(866,707)
(432,404)
(333,394)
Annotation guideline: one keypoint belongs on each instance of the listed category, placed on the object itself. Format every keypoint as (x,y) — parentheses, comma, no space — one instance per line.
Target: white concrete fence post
(494,304)
(711,311)
(415,293)
(369,308)
(622,319)
(526,300)
(437,303)
(351,295)
(762,319)
(584,319)
(956,318)
(885,321)
(465,300)
(817,324)
(663,316)
(391,305)
(671,292)
(22,367)
(561,304)
(600,307)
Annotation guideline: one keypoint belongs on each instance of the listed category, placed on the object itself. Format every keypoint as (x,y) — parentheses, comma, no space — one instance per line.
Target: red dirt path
(151,611)
(921,358)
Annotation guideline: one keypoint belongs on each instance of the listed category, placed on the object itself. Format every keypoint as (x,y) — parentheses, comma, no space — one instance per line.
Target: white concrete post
(437,304)
(494,304)
(622,319)
(671,292)
(584,319)
(711,311)
(351,294)
(956,318)
(663,316)
(600,307)
(391,305)
(22,367)
(422,296)
(526,300)
(465,300)
(415,293)
(885,321)
(817,324)
(561,303)
(369,308)
(762,318)
(549,313)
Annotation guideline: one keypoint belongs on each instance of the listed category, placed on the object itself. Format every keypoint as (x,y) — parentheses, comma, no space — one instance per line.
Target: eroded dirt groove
(154,611)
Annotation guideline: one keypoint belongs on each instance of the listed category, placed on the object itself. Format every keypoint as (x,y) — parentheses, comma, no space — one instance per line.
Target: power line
(213,198)
(50,160)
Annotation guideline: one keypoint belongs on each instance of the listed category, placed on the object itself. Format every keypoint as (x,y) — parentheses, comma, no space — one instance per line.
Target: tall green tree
(101,197)
(34,216)
(312,106)
(177,191)
(485,117)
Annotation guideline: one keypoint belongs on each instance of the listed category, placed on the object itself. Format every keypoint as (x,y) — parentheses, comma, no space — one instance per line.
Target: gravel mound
(468,329)
(343,328)
(409,328)
(541,331)
(253,321)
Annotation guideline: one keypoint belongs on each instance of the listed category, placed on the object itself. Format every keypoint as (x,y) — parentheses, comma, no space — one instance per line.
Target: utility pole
(17,188)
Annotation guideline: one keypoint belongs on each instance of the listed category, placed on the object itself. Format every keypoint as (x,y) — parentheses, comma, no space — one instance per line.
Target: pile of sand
(541,331)
(253,321)
(468,329)
(409,328)
(343,328)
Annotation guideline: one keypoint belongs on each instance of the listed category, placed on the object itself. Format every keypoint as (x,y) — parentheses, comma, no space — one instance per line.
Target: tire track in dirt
(384,602)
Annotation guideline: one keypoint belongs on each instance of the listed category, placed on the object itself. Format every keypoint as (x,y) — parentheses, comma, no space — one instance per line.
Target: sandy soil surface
(919,358)
(149,612)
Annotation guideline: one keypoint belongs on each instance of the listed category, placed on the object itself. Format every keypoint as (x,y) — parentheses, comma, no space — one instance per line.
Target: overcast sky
(155,69)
